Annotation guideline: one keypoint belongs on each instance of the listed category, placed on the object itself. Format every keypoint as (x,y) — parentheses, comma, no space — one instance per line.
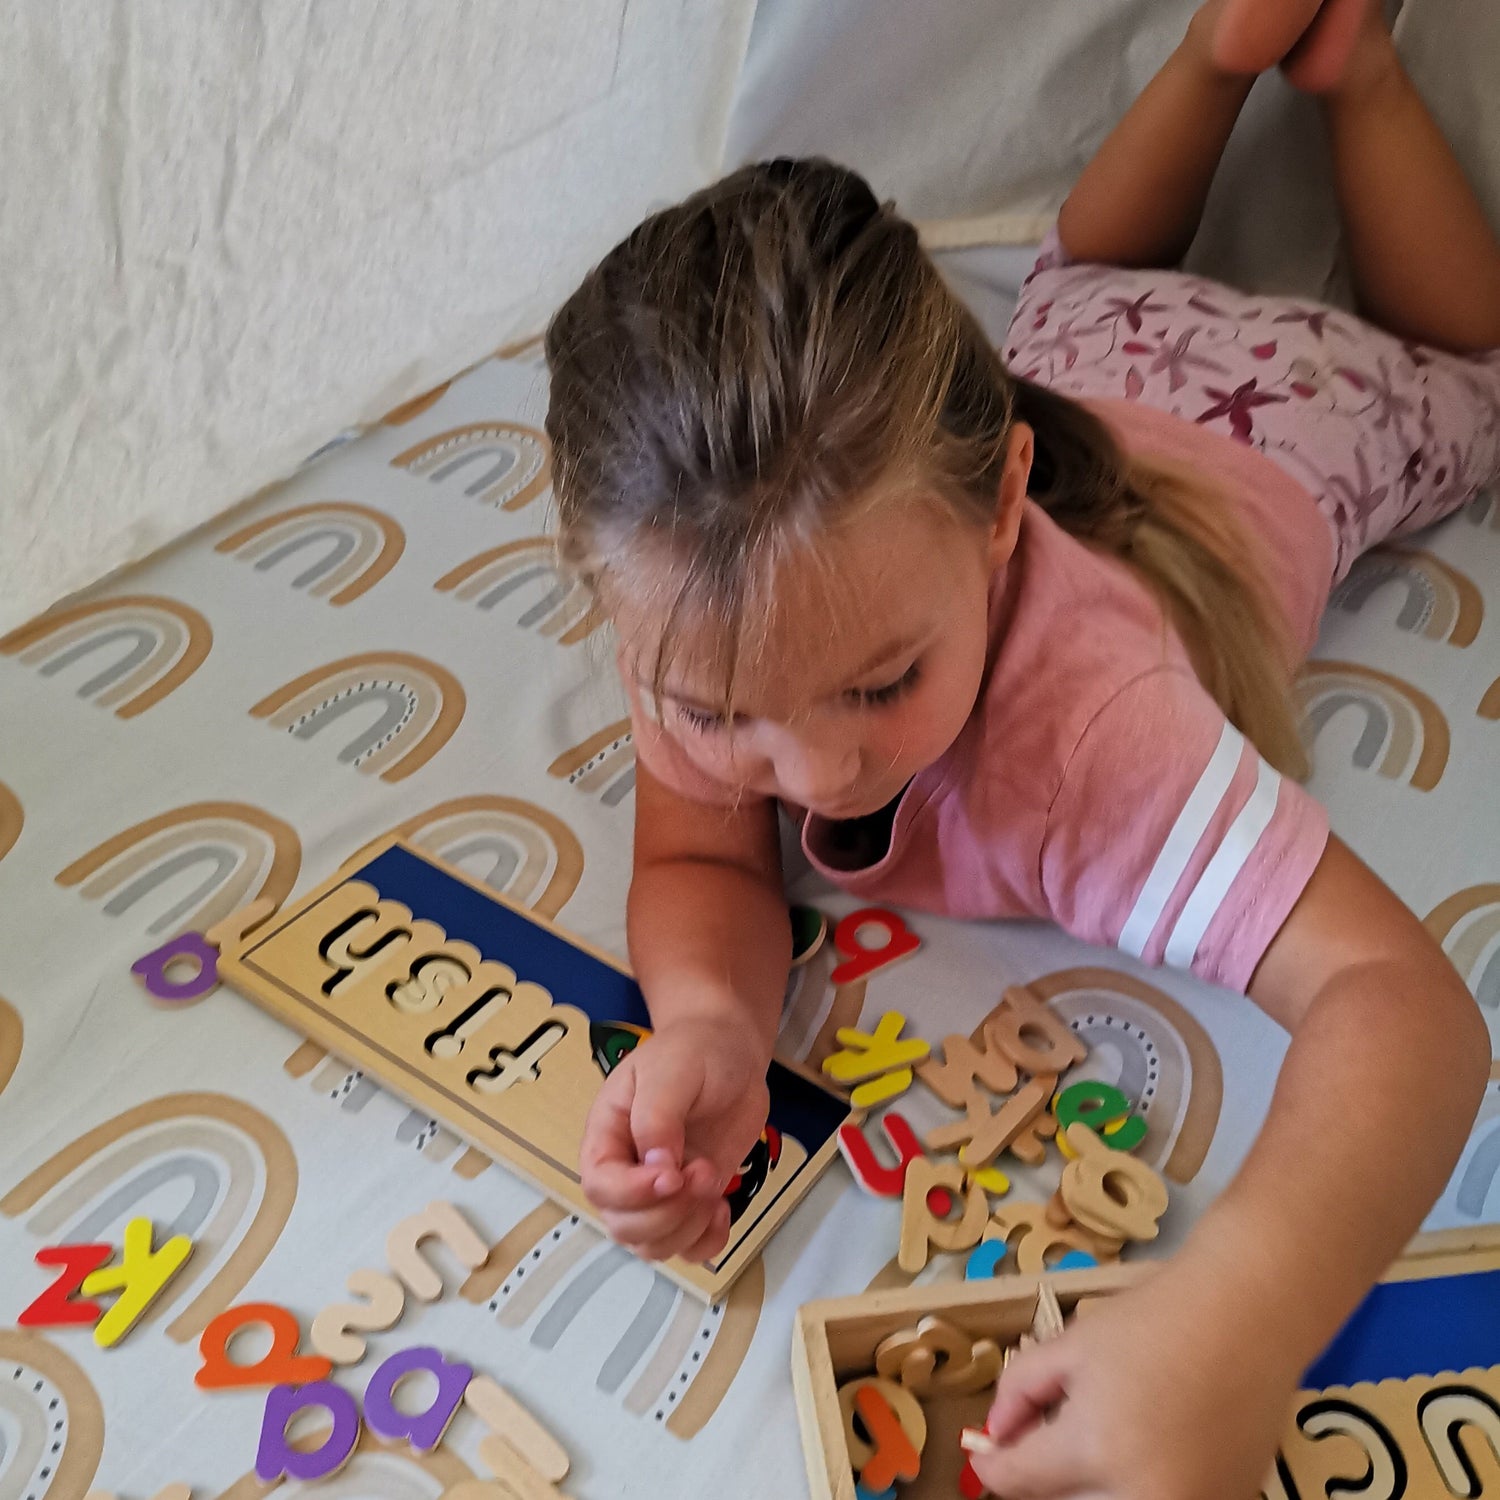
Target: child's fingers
(713,1239)
(682,1237)
(612,1172)
(729,1148)
(727,1161)
(702,1178)
(618,1188)
(606,1133)
(638,1217)
(680,1220)
(659,1113)
(1046,1464)
(623,1188)
(1035,1382)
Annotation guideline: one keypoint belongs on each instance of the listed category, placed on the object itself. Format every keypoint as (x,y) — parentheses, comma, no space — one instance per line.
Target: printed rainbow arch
(1467,925)
(249,853)
(238,1166)
(387,1471)
(52,1417)
(603,763)
(12,819)
(165,643)
(565,608)
(1404,728)
(419,705)
(12,1038)
(513,461)
(1475,1177)
(529,348)
(399,416)
(1143,1041)
(352,1090)
(695,1352)
(1487,505)
(352,547)
(1489,705)
(377,1471)
(1440,602)
(738,1318)
(815,1009)
(523,851)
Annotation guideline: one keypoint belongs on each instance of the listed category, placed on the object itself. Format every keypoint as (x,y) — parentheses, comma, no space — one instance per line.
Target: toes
(1253,35)
(1318,63)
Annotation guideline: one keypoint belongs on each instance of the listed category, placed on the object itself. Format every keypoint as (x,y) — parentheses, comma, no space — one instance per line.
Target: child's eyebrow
(887,654)
(649,694)
(891,652)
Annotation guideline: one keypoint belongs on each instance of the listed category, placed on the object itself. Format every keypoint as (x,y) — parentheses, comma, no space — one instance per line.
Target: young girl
(1015,639)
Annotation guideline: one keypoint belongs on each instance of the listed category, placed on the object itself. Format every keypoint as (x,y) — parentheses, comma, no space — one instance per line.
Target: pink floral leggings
(1389,436)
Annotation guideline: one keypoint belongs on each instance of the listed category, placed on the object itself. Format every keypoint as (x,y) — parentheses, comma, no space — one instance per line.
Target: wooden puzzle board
(1404,1404)
(1408,1395)
(502,1027)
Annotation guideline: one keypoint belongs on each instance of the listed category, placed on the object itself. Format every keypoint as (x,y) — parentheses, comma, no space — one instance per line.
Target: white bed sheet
(124,820)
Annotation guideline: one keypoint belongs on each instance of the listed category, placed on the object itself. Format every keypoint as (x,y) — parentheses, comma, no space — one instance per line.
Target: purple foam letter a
(424,1430)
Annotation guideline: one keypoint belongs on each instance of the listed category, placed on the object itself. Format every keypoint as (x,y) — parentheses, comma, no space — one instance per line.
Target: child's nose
(817,774)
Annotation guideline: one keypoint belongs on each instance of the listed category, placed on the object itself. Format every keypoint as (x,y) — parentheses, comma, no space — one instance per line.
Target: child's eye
(700,720)
(876,697)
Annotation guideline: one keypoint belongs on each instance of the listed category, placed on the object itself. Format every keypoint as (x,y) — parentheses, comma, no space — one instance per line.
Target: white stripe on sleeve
(1197,812)
(1213,885)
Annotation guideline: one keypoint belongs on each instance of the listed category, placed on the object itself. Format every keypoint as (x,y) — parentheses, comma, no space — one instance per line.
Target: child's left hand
(1169,1391)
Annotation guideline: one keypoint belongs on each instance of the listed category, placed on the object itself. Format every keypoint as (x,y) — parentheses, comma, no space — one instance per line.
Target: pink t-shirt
(1096,783)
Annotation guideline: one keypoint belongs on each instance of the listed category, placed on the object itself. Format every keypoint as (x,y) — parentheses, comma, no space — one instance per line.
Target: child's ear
(1011,501)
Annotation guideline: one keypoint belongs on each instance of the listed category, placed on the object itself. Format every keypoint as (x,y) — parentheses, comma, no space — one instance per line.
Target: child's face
(871,662)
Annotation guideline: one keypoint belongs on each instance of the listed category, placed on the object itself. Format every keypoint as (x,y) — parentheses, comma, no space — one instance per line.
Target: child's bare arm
(709,933)
(1387,1067)
(1179,1388)
(711,944)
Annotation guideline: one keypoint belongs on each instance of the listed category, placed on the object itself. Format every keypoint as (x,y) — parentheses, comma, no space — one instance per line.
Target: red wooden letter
(55,1306)
(897,941)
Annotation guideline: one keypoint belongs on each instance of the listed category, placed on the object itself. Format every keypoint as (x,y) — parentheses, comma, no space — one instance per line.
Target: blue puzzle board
(1407,1328)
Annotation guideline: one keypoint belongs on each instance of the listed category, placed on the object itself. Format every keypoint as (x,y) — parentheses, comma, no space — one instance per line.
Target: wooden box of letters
(1404,1404)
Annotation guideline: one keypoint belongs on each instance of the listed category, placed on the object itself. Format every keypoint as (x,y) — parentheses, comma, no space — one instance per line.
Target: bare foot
(1253,35)
(1348,46)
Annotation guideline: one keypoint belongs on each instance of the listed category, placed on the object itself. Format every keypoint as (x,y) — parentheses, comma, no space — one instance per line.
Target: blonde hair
(746,366)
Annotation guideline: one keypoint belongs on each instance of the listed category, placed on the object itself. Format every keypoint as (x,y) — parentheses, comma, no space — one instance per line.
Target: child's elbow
(1474,1046)
(1454,1016)
(1445,1031)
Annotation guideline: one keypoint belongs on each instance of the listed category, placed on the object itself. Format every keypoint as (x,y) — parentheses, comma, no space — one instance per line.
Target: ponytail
(1183,539)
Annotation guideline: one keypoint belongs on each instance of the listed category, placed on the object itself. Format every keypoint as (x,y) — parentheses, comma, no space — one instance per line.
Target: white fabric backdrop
(232,228)
(979,118)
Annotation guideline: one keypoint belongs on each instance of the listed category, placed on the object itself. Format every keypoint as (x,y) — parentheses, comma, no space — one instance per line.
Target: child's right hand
(668,1131)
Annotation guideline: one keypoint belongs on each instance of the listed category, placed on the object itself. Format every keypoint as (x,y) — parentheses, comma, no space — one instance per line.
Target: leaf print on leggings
(1355,503)
(1388,407)
(1116,308)
(1316,319)
(1237,406)
(1174,358)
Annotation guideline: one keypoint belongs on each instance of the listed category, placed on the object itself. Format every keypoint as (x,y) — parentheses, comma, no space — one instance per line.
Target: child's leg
(1426,263)
(1140,200)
